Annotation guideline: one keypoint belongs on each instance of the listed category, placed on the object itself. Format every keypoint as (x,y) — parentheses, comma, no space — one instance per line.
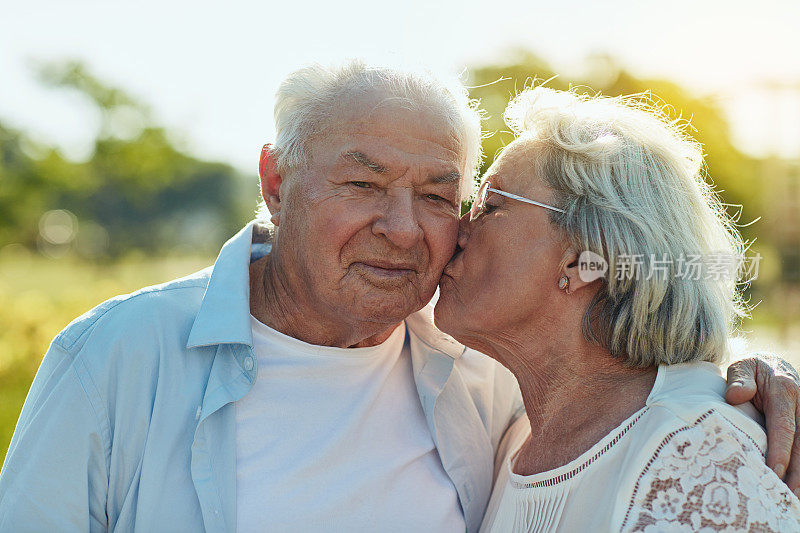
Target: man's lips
(390,265)
(387,268)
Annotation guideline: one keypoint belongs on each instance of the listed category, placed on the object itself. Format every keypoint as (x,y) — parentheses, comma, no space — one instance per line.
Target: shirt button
(248,363)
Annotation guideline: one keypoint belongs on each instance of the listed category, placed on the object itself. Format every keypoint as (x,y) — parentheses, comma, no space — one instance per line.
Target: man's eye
(435,197)
(361,184)
(489,208)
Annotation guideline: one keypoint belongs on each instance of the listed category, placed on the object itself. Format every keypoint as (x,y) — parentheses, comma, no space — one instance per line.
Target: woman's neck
(575,393)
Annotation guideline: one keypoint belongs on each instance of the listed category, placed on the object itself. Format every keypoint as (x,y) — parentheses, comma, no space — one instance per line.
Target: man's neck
(274,303)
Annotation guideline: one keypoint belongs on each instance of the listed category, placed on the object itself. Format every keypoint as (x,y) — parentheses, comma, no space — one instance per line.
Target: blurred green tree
(733,173)
(136,191)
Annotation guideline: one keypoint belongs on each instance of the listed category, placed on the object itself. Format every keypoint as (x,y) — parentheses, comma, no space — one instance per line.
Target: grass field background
(39,296)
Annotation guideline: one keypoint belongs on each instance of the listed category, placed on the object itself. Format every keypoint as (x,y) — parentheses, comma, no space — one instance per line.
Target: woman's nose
(463,230)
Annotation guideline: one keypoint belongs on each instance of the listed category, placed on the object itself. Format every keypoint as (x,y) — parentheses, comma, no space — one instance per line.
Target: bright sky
(210,70)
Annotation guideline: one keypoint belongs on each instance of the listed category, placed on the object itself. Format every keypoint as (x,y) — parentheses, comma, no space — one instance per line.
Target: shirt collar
(224,315)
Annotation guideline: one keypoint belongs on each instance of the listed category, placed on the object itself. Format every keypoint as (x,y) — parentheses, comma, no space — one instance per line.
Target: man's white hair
(306,104)
(632,184)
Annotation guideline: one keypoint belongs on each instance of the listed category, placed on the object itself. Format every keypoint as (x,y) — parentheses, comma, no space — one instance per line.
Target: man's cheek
(339,234)
(440,255)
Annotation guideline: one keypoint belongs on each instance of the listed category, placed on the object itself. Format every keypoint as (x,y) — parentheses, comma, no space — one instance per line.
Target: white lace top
(687,461)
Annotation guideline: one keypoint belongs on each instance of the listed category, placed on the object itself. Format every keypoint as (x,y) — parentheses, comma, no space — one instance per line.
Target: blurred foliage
(733,173)
(39,296)
(137,191)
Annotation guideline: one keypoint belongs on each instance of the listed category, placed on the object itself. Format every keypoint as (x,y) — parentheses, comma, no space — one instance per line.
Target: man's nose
(463,230)
(398,221)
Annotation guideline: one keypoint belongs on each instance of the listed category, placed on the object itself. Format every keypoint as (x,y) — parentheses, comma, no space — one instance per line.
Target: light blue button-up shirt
(129,423)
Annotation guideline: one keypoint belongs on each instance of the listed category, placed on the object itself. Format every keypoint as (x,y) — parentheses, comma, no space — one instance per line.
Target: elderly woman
(627,428)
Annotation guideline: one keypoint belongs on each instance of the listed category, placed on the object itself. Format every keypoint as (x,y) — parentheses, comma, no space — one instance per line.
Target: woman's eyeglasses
(479,205)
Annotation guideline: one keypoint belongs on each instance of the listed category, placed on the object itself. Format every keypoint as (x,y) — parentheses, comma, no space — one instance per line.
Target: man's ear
(270,181)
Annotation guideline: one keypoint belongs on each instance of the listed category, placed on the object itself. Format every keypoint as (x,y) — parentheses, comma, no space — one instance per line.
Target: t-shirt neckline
(263,334)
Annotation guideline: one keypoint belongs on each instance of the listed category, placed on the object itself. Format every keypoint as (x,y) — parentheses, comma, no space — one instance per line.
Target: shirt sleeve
(55,475)
(710,476)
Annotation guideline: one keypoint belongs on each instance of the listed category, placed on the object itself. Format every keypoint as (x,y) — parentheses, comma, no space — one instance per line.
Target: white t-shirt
(687,461)
(333,439)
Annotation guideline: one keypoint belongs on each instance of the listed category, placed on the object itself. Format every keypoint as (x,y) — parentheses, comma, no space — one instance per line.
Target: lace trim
(652,460)
(549,482)
(711,479)
(743,432)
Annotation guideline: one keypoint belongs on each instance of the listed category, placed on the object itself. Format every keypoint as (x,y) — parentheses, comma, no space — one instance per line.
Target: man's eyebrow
(450,177)
(363,160)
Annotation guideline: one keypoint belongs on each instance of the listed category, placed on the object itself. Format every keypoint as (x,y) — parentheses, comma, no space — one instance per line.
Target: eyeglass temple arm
(526,200)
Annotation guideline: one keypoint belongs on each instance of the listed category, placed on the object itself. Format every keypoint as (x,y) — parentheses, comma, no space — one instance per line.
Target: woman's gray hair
(305,105)
(632,185)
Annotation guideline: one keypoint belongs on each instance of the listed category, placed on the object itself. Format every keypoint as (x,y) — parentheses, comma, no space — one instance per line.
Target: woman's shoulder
(702,464)
(684,393)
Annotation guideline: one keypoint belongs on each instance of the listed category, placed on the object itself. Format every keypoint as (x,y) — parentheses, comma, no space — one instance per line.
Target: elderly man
(299,384)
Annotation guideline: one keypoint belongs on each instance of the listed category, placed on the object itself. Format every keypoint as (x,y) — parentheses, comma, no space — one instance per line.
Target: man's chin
(383,316)
(391,307)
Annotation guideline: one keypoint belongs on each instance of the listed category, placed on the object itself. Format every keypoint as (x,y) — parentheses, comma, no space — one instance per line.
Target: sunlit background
(130,131)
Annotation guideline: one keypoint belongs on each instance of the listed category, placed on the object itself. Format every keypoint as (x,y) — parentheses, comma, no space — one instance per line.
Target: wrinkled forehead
(379,113)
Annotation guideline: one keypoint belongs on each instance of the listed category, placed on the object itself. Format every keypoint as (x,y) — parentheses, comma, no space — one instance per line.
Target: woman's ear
(270,181)
(574,273)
